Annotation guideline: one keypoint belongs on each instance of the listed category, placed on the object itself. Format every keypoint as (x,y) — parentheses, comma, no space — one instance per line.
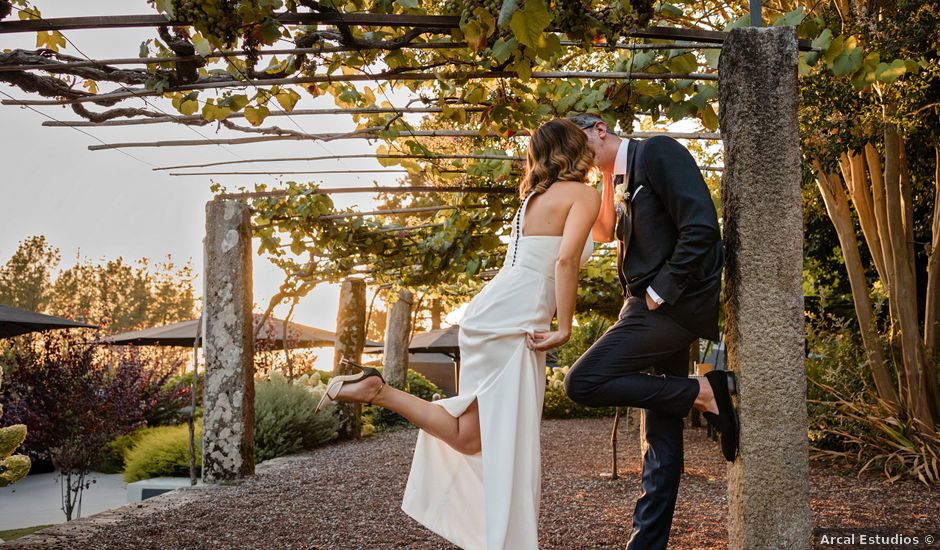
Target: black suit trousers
(611,373)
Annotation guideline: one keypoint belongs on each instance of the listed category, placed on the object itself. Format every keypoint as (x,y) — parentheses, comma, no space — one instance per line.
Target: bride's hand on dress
(542,341)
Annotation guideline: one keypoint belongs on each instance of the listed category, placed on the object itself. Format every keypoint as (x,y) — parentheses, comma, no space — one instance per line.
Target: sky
(104,204)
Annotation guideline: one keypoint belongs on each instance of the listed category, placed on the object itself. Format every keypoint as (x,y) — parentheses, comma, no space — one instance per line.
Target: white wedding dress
(490,500)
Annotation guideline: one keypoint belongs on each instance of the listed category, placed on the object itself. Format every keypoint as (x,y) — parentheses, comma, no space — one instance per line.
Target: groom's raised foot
(723,386)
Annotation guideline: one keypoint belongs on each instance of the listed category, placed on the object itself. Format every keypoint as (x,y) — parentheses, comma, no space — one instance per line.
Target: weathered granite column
(229,394)
(350,339)
(397,333)
(768,485)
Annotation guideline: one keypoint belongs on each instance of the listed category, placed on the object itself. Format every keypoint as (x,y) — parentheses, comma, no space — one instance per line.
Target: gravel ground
(348,495)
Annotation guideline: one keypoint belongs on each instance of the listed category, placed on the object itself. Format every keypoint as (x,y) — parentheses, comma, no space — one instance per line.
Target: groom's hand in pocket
(543,341)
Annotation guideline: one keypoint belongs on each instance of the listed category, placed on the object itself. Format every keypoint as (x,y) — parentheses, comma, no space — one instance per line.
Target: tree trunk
(932,310)
(350,339)
(837,205)
(397,337)
(905,290)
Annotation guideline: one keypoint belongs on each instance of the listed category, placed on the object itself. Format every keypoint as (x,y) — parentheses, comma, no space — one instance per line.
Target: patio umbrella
(15,321)
(184,334)
(437,341)
(443,341)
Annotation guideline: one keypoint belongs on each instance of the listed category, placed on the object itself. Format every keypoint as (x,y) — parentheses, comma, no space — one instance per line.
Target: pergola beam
(346,135)
(188,119)
(314,172)
(329,49)
(377,189)
(430,22)
(342,157)
(370,156)
(385,76)
(286,18)
(396,212)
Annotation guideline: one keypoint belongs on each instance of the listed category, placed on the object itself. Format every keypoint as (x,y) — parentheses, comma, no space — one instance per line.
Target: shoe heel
(324,401)
(332,390)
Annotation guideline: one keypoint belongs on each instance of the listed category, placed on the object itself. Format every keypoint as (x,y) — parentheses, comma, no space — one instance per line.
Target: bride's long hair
(558,151)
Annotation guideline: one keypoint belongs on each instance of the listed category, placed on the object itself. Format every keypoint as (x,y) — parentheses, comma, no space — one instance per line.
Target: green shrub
(161,452)
(557,403)
(583,335)
(836,359)
(112,456)
(285,418)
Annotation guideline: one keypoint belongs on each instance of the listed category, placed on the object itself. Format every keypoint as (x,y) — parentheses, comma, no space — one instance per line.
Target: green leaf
(502,49)
(528,24)
(409,4)
(287,99)
(189,107)
(202,46)
(741,22)
(670,10)
(823,40)
(790,19)
(473,35)
(848,62)
(234,102)
(270,31)
(523,69)
(889,72)
(709,118)
(473,266)
(506,10)
(256,115)
(711,57)
(52,40)
(685,63)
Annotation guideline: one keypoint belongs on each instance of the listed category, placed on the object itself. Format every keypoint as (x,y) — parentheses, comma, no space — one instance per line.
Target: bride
(476,474)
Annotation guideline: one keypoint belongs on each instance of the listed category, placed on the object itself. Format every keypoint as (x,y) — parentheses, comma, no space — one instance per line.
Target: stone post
(768,485)
(397,336)
(350,339)
(229,394)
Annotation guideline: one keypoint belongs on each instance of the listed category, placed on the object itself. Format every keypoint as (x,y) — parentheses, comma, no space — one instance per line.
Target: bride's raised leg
(462,433)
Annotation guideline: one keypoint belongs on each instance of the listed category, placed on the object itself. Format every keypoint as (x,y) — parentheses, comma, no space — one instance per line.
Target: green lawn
(22,532)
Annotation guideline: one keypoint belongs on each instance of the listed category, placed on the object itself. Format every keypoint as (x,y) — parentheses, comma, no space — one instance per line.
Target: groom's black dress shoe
(723,385)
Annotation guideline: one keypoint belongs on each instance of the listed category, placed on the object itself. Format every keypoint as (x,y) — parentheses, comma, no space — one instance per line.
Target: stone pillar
(228,449)
(350,339)
(397,339)
(768,485)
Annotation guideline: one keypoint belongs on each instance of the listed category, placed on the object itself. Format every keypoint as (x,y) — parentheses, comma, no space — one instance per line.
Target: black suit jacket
(669,236)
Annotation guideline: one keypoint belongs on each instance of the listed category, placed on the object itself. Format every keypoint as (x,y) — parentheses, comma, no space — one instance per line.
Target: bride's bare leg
(462,433)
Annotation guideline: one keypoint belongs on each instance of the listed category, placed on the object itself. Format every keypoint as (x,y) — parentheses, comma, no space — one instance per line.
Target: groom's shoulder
(658,144)
(666,148)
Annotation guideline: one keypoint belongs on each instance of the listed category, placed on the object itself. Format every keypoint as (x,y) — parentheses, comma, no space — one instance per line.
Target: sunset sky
(105,204)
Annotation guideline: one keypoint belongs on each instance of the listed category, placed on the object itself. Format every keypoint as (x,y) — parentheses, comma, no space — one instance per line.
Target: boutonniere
(620,193)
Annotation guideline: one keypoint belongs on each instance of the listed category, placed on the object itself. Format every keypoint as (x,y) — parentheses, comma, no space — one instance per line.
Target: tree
(26,279)
(115,294)
(861,116)
(75,404)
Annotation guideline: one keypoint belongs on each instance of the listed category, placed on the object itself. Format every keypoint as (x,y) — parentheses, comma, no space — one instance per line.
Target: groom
(669,261)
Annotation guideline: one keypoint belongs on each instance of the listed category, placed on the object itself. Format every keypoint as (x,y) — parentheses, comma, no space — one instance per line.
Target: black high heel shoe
(336,383)
(724,385)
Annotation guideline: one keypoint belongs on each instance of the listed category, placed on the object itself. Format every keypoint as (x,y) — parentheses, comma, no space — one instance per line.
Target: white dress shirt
(620,167)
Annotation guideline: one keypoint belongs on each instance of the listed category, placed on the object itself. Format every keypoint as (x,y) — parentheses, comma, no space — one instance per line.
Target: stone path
(348,495)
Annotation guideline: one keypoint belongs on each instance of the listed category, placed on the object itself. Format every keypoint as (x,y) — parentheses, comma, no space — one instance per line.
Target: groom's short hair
(585,120)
